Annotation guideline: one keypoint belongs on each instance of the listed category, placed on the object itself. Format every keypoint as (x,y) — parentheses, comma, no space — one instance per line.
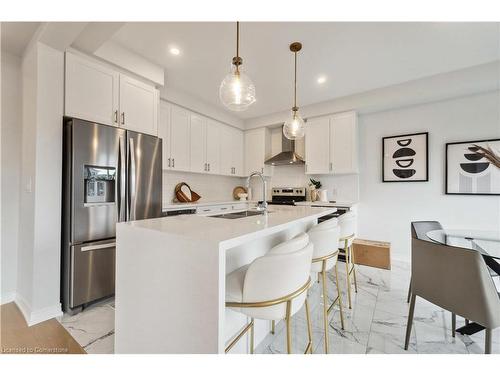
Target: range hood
(287,156)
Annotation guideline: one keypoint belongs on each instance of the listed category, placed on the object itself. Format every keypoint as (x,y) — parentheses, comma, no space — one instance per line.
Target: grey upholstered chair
(457,280)
(419,230)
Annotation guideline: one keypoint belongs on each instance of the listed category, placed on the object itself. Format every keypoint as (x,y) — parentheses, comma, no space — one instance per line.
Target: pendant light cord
(295,83)
(237,45)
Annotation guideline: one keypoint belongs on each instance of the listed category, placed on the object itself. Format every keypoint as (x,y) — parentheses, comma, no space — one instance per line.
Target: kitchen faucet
(260,206)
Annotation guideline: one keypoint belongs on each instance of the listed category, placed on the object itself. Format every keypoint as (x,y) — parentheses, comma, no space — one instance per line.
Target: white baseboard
(7,297)
(37,316)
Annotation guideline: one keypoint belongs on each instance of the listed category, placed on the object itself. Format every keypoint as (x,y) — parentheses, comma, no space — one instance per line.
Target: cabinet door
(343,143)
(138,106)
(213,146)
(180,138)
(226,150)
(198,143)
(318,146)
(164,132)
(91,91)
(238,152)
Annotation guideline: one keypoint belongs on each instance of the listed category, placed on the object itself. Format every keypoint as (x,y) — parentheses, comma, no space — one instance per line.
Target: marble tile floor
(375,325)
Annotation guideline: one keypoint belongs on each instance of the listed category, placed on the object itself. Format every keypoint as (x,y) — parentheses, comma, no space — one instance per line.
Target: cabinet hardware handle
(169,162)
(331,166)
(262,169)
(173,163)
(123,118)
(116,116)
(209,167)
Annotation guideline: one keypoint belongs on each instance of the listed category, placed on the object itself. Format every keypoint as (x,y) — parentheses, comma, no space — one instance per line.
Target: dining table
(487,243)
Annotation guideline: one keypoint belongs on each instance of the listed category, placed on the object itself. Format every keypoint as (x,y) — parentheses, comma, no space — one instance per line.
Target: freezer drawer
(92,271)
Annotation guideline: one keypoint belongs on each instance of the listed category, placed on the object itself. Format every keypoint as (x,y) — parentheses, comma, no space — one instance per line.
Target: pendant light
(294,127)
(237,91)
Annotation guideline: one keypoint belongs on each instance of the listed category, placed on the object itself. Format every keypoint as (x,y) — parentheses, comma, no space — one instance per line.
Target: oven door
(92,271)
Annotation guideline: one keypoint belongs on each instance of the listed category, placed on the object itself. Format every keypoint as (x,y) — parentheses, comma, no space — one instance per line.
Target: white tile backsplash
(210,187)
(340,187)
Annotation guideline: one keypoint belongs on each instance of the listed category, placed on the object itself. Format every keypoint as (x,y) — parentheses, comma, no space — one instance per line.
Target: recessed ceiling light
(321,80)
(175,51)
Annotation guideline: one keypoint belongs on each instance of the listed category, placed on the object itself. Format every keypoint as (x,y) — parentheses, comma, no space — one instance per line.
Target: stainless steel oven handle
(132,185)
(98,247)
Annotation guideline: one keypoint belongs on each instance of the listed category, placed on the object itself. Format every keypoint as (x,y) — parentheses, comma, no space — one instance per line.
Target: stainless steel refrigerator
(109,175)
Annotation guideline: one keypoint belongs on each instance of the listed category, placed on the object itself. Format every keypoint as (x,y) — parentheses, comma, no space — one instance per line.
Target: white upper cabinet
(213,146)
(344,143)
(91,91)
(257,151)
(96,92)
(331,144)
(232,153)
(198,147)
(174,130)
(180,136)
(138,106)
(164,132)
(318,146)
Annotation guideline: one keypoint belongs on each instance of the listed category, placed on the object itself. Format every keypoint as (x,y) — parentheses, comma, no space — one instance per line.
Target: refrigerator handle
(132,187)
(121,180)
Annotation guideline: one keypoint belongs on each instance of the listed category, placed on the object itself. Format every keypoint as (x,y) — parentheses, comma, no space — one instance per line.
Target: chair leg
(252,329)
(309,329)
(409,293)
(339,297)
(348,276)
(288,328)
(487,341)
(273,326)
(410,320)
(353,270)
(453,324)
(325,307)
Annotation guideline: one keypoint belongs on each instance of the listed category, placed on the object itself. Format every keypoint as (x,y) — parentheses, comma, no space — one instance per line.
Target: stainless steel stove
(287,195)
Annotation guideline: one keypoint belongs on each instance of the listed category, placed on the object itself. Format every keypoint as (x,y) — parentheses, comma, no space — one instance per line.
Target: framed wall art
(470,170)
(405,158)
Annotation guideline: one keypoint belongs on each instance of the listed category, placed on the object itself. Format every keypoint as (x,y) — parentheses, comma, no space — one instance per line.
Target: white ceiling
(355,57)
(16,36)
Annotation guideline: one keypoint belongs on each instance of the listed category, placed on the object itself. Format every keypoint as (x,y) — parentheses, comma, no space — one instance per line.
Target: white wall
(38,271)
(11,166)
(386,209)
(210,187)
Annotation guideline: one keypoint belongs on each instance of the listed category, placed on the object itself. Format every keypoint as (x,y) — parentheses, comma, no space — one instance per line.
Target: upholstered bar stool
(347,224)
(273,287)
(325,237)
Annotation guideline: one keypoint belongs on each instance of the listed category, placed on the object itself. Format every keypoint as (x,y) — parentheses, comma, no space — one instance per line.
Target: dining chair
(457,280)
(273,287)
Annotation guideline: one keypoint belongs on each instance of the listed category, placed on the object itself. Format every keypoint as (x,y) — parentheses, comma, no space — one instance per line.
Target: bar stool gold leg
(339,296)
(309,329)
(348,276)
(273,326)
(353,270)
(288,329)
(325,305)
(251,335)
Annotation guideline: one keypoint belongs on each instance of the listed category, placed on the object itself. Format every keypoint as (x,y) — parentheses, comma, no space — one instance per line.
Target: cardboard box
(372,253)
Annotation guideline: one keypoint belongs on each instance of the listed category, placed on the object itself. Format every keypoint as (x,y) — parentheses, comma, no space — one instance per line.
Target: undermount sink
(239,215)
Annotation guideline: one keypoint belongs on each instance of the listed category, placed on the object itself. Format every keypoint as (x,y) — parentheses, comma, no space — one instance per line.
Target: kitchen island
(170,277)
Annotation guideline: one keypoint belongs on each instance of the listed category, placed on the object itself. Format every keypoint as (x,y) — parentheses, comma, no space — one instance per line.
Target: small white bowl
(243,196)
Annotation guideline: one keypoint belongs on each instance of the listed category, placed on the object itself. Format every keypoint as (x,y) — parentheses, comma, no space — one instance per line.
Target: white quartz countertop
(327,204)
(180,205)
(231,232)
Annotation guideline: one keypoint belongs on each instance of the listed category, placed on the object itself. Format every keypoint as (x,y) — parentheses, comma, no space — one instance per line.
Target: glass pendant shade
(237,91)
(294,127)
